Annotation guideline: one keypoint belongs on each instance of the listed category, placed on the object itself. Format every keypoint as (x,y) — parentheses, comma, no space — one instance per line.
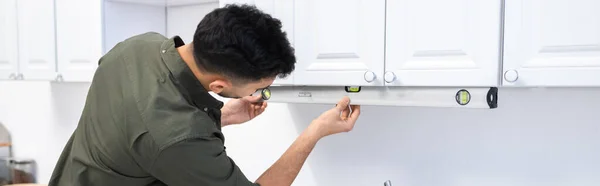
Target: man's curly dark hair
(243,43)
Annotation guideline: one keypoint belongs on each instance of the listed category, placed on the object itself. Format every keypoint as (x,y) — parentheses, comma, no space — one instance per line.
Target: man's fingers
(257,110)
(264,105)
(261,107)
(345,113)
(343,103)
(355,113)
(257,107)
(351,120)
(253,99)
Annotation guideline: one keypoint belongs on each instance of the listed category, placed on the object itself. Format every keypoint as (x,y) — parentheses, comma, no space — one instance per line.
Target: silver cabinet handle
(387,183)
(59,78)
(511,75)
(370,76)
(389,77)
(12,76)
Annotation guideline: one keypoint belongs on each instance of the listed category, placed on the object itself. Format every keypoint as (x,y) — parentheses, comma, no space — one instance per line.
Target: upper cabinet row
(478,43)
(64,39)
(475,43)
(27,44)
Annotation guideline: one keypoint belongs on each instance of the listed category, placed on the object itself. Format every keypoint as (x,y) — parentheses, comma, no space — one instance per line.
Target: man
(149,118)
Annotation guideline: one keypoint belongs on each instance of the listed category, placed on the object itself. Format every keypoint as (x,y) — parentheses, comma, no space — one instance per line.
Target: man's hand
(339,119)
(238,111)
(286,169)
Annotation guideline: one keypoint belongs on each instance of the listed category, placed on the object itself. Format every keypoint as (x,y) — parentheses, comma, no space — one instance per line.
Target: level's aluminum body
(390,96)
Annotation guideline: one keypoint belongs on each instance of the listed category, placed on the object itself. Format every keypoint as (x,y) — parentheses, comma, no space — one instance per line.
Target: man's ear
(219,85)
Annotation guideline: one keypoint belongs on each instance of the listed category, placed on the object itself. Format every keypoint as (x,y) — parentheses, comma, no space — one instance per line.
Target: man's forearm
(286,169)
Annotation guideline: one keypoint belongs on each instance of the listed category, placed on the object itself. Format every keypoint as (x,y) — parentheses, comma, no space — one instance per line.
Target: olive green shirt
(147,121)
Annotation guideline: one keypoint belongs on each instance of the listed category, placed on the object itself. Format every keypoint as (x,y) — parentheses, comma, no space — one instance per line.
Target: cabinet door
(79,36)
(340,42)
(552,43)
(443,42)
(37,44)
(284,11)
(9,65)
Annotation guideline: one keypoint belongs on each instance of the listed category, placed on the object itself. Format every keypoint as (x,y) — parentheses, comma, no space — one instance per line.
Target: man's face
(246,89)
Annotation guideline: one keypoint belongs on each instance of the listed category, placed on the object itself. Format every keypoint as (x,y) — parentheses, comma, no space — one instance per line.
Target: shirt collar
(183,75)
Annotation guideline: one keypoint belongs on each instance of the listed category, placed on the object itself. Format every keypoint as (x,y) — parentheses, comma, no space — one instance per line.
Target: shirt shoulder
(145,38)
(137,45)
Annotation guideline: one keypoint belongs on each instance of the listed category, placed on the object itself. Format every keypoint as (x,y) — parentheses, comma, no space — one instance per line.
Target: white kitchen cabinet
(339,42)
(87,29)
(9,57)
(27,41)
(80,38)
(174,3)
(443,42)
(170,3)
(36,38)
(282,10)
(552,43)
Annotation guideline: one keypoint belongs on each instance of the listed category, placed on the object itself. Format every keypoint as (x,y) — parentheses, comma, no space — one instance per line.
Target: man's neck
(187,55)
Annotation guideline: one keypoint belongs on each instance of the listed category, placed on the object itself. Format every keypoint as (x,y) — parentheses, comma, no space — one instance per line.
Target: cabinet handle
(59,78)
(370,76)
(12,76)
(387,183)
(511,75)
(389,77)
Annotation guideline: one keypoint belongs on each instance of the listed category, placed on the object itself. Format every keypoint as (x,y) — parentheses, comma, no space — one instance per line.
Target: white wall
(123,20)
(183,20)
(535,138)
(41,118)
